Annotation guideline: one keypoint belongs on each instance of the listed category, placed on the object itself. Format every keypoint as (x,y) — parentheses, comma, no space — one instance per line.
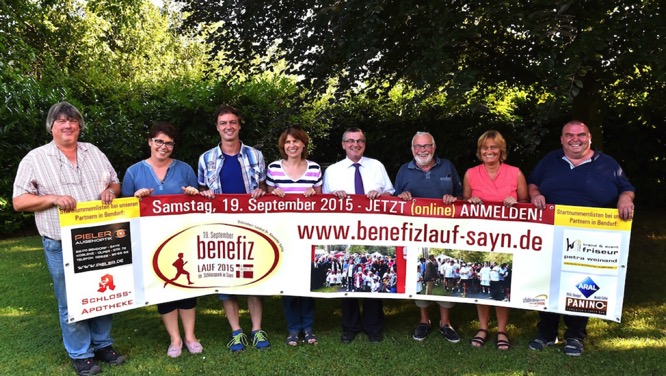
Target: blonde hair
(495,136)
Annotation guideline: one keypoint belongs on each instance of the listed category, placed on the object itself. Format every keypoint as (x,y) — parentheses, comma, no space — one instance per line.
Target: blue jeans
(81,338)
(299,312)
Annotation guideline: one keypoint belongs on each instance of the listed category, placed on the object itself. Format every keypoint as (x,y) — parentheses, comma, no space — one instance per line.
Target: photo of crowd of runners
(474,275)
(354,268)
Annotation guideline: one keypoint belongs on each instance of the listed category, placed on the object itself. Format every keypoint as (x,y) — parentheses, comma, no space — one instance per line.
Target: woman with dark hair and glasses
(294,174)
(161,175)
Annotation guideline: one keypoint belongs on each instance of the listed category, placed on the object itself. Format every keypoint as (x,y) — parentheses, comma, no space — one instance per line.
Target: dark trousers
(371,320)
(576,326)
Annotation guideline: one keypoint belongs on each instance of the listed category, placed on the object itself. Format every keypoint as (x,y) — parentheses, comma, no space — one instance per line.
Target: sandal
(502,344)
(310,337)
(479,341)
(292,339)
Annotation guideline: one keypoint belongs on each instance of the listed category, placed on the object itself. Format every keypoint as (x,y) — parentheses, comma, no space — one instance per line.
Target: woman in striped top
(294,174)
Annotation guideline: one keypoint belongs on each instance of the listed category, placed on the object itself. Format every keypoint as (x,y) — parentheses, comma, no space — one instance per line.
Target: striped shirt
(47,171)
(252,168)
(277,177)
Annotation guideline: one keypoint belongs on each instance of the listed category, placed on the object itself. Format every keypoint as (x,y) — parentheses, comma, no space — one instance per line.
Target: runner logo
(587,287)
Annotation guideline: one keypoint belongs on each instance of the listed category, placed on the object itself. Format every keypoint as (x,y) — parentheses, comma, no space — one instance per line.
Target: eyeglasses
(62,122)
(352,142)
(70,174)
(160,143)
(423,147)
(231,122)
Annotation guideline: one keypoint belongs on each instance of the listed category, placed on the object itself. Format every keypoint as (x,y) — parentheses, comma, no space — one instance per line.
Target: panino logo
(587,287)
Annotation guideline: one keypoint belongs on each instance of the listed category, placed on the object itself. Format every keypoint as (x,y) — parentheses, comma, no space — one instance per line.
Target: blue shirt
(442,179)
(231,176)
(597,183)
(141,175)
(253,168)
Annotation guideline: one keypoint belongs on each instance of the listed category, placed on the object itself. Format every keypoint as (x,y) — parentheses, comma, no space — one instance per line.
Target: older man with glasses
(57,176)
(428,176)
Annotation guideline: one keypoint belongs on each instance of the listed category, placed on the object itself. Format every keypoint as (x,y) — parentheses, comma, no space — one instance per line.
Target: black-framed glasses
(423,147)
(160,143)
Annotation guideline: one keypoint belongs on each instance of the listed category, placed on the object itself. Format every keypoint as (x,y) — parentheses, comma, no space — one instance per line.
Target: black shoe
(109,355)
(375,337)
(85,367)
(347,337)
(421,331)
(449,333)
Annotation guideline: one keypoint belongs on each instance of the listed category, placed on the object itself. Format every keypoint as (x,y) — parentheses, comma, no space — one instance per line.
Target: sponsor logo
(537,301)
(91,237)
(587,287)
(574,245)
(599,307)
(120,233)
(106,282)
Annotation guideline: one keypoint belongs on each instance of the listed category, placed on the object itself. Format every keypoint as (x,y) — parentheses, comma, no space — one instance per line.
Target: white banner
(131,254)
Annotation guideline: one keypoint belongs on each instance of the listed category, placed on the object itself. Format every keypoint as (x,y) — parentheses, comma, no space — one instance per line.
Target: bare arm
(625,205)
(467,188)
(260,191)
(109,193)
(28,202)
(536,197)
(523,195)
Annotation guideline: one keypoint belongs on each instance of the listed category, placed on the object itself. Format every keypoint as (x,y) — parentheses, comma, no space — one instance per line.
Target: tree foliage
(578,49)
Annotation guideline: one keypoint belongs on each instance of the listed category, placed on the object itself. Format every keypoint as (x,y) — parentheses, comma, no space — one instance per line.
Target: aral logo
(587,287)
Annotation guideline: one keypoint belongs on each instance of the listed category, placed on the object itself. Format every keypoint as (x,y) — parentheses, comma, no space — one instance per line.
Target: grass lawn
(30,335)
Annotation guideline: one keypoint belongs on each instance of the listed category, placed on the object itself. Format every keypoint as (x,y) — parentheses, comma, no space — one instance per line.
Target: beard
(423,161)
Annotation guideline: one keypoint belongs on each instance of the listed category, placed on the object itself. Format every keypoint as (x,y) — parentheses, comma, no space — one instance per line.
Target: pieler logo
(217,255)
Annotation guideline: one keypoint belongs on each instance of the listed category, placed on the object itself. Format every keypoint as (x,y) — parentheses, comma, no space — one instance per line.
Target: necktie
(358,182)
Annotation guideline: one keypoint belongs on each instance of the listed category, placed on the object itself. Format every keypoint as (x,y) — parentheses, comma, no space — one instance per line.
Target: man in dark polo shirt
(580,176)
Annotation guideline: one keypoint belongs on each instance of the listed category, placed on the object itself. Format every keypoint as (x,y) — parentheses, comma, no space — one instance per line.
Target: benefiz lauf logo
(217,255)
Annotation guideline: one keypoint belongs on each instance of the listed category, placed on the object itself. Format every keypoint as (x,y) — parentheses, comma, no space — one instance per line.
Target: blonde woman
(493,181)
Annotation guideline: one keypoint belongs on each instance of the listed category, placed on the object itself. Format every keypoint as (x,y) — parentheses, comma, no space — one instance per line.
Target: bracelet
(112,191)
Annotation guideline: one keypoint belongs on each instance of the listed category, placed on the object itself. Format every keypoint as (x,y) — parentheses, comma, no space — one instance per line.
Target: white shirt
(485,275)
(340,177)
(449,271)
(495,274)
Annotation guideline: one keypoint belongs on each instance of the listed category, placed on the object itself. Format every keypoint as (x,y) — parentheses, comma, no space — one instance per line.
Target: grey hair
(351,130)
(424,134)
(63,108)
